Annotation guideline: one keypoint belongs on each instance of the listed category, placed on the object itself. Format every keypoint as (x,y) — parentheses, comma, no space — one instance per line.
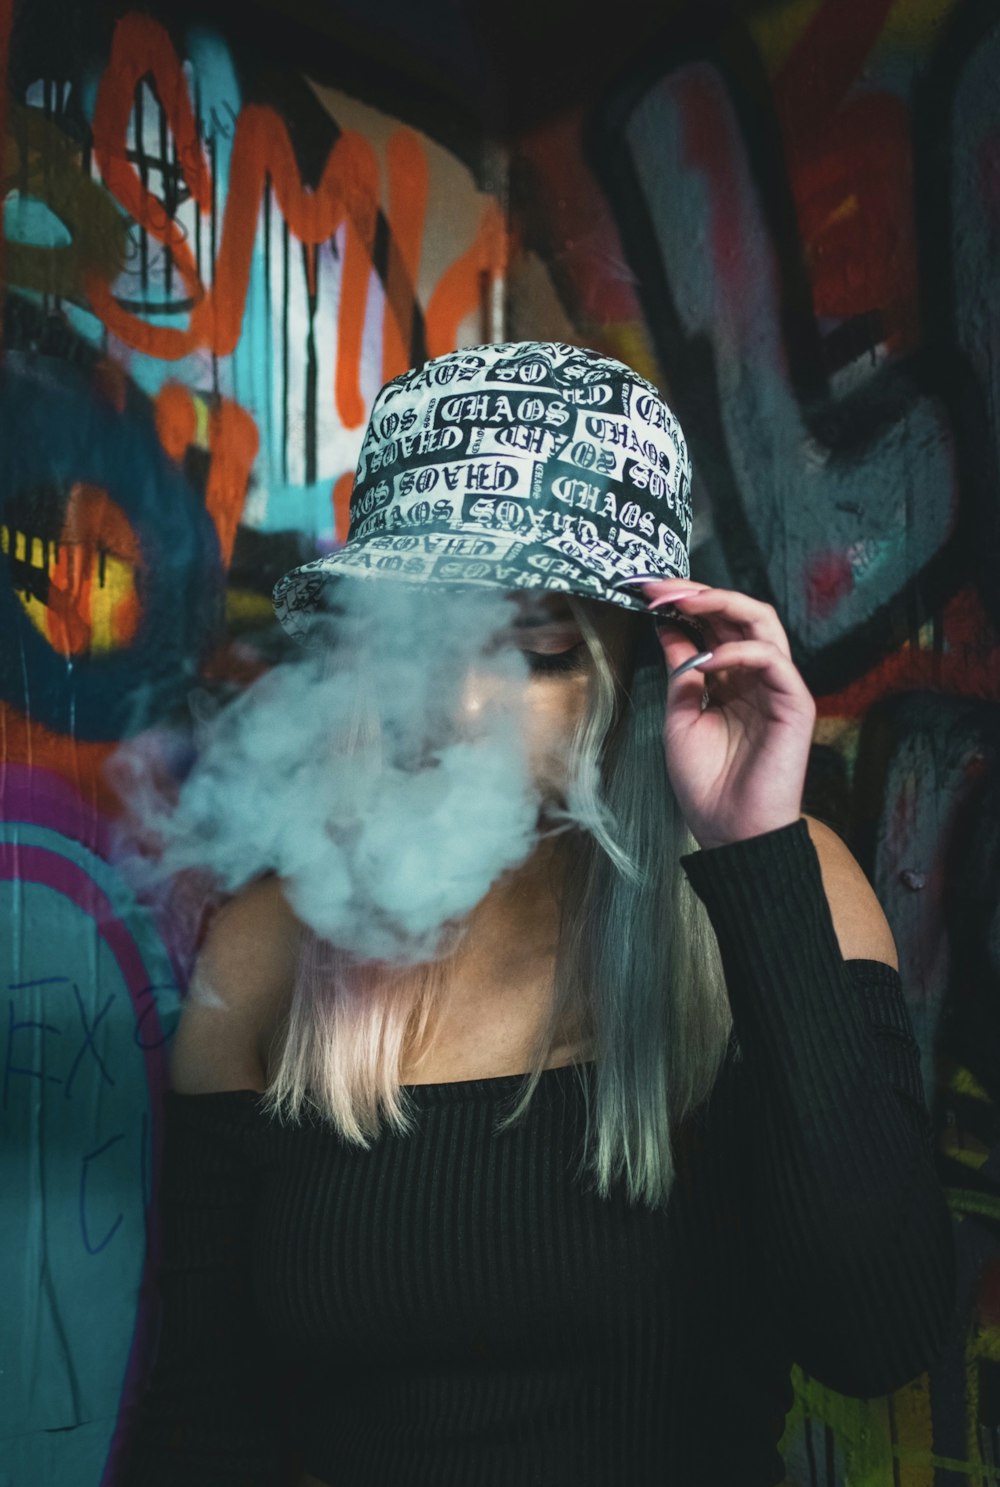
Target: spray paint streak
(347,194)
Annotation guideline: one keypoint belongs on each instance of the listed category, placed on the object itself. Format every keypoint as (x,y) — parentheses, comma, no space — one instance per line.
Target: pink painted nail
(669,598)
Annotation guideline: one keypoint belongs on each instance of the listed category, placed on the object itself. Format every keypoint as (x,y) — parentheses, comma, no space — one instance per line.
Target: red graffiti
(828,577)
(966,667)
(856,225)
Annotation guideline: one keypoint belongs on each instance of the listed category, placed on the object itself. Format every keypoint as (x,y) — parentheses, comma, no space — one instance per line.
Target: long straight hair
(637,964)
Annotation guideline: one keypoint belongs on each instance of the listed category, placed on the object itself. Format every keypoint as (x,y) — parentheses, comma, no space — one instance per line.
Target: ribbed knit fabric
(452,1309)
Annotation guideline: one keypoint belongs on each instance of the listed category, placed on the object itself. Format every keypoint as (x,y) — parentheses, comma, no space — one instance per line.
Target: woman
(721,1162)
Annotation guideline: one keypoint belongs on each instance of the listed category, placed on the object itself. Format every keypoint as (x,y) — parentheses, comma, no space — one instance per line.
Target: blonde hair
(637,964)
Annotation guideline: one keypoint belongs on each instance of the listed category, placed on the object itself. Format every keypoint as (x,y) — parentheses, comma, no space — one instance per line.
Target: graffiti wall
(790,222)
(210,271)
(212,257)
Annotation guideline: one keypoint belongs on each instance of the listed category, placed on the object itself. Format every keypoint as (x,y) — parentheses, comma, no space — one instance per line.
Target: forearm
(845,1205)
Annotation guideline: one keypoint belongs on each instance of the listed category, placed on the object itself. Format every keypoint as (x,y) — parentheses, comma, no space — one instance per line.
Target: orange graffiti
(176,419)
(80,763)
(347,194)
(347,191)
(966,667)
(463,286)
(142,48)
(233,441)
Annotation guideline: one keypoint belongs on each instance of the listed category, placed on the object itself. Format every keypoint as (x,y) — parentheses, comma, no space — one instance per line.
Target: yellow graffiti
(963,1083)
(90,601)
(244,607)
(966,1201)
(117,587)
(629,342)
(971,1156)
(912,26)
(912,1429)
(777,28)
(861,1428)
(891,1439)
(916,25)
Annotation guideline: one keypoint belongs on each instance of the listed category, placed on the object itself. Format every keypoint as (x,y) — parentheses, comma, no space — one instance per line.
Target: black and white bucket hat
(518,465)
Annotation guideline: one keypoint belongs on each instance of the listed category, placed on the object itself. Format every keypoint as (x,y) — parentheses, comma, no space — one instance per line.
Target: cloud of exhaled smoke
(384,775)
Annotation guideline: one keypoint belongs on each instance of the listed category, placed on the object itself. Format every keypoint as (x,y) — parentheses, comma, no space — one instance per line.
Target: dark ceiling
(462,65)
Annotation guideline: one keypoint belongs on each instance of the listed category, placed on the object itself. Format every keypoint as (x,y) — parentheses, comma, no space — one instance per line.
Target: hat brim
(308,590)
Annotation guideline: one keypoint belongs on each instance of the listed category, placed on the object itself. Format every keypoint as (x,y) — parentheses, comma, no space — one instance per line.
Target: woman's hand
(738,763)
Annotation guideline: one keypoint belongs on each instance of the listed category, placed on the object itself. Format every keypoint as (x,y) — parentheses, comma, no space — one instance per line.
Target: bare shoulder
(239,989)
(863,931)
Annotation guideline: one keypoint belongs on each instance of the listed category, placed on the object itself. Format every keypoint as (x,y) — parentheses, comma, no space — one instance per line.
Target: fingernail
(687,665)
(669,598)
(640,578)
(667,616)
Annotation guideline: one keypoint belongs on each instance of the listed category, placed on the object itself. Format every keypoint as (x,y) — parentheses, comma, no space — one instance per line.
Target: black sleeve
(212,1414)
(846,1211)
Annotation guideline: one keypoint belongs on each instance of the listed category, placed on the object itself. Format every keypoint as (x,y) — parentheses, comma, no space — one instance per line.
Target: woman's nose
(478,689)
(483,690)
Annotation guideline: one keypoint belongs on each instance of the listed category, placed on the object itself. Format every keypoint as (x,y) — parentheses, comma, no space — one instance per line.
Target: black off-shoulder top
(453,1309)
